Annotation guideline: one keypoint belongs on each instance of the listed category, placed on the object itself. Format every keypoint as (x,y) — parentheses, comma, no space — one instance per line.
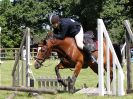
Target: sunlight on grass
(86,76)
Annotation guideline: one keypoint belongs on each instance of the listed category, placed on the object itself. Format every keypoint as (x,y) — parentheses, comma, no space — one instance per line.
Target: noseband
(39,61)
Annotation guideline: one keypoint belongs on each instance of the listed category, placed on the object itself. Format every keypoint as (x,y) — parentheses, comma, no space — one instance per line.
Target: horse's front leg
(60,66)
(78,67)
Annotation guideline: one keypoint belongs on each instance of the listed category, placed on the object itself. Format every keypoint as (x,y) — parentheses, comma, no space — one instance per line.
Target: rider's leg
(79,39)
(80,44)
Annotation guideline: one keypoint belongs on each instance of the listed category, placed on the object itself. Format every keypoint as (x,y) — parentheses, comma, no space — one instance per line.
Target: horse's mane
(59,50)
(59,45)
(70,40)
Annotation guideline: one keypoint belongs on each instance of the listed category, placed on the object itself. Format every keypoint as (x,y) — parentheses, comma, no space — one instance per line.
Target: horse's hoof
(71,90)
(62,82)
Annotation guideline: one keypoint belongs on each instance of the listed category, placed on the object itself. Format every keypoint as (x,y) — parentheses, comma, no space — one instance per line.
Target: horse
(72,57)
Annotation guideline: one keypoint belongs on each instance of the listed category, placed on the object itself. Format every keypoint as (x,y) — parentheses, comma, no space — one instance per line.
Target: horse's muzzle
(37,65)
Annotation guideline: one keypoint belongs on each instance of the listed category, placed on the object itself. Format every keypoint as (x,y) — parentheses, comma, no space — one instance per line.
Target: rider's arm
(62,33)
(58,36)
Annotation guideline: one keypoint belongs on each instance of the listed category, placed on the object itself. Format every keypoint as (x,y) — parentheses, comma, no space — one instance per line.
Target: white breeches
(79,38)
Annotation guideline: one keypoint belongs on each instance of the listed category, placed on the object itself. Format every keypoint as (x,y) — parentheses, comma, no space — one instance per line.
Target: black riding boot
(87,51)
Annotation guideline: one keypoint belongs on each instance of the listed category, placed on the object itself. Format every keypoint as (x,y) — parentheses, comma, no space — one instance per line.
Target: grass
(86,76)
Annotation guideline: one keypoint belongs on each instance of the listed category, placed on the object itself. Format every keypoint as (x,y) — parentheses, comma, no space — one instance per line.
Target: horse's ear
(44,42)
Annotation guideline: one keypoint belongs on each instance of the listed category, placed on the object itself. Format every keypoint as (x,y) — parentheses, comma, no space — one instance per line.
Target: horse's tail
(118,52)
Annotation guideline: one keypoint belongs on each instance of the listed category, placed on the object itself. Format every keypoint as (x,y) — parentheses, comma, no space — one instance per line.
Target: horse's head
(43,53)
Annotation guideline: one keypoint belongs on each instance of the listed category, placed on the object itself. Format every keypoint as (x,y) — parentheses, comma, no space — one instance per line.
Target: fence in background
(10,53)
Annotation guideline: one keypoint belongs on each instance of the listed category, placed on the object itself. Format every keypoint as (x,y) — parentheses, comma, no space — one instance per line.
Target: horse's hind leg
(78,67)
(94,67)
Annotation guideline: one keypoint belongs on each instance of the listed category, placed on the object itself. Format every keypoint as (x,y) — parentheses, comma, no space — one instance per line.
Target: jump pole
(100,59)
(27,57)
(29,89)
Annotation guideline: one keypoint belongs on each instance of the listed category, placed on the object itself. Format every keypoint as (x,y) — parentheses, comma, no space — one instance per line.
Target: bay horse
(72,57)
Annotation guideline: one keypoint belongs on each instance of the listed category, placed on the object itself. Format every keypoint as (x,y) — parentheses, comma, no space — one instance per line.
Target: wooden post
(129,38)
(22,71)
(129,70)
(29,89)
(16,61)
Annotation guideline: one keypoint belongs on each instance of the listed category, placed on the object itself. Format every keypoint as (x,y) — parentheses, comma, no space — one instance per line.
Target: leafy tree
(28,13)
(111,11)
(35,13)
(130,4)
(4,6)
(88,12)
(129,10)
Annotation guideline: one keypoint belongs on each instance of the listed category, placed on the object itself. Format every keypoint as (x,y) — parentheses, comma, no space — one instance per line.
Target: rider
(66,27)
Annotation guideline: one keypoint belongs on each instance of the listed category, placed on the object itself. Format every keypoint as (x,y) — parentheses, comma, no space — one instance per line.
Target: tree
(88,12)
(35,13)
(4,6)
(111,11)
(25,13)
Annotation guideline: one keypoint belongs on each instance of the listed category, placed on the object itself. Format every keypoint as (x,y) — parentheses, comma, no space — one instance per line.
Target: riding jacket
(67,28)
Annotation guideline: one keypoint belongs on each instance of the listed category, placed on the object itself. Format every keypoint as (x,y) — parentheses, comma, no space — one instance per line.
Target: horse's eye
(43,49)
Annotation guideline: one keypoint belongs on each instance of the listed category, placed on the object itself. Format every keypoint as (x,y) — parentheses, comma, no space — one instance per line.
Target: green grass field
(86,76)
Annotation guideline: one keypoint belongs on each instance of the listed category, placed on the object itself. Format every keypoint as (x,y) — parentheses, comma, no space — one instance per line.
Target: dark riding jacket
(67,28)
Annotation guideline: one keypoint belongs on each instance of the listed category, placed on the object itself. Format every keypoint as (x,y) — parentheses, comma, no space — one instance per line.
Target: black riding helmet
(54,19)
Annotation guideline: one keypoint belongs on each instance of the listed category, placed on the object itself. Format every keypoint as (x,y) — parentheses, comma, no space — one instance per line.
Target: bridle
(38,61)
(44,50)
(41,60)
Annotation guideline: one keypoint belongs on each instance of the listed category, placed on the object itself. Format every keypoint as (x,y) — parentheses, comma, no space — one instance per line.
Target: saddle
(89,41)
